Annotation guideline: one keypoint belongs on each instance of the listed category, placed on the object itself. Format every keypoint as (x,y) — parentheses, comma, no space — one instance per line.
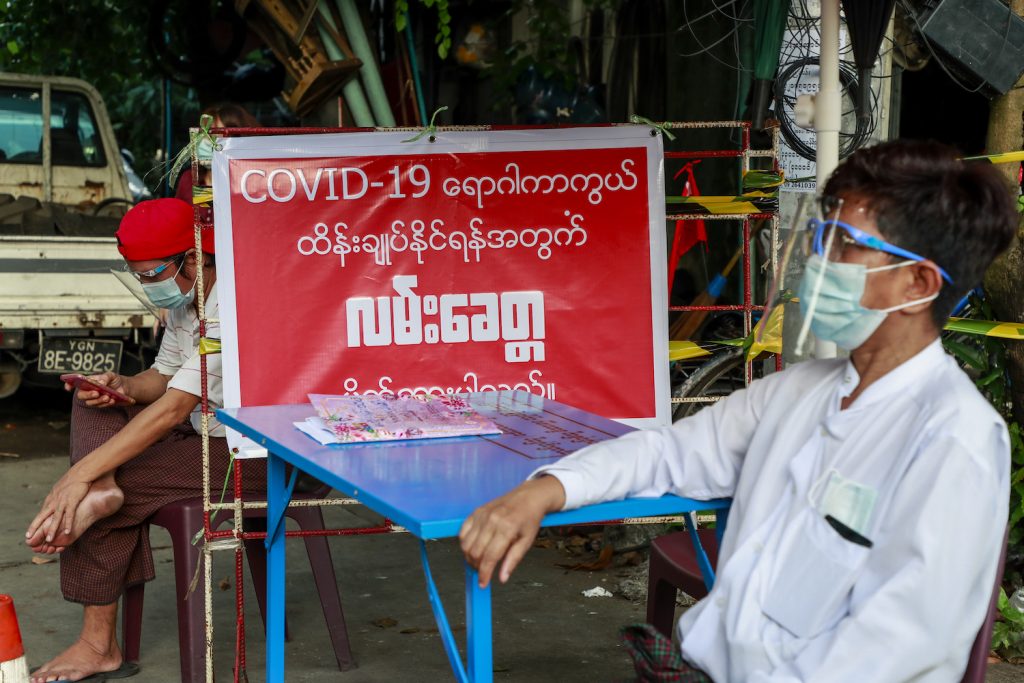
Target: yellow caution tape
(1000,158)
(685,350)
(202,195)
(767,334)
(208,345)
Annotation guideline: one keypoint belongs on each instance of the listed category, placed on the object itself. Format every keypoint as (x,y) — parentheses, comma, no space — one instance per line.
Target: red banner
(461,265)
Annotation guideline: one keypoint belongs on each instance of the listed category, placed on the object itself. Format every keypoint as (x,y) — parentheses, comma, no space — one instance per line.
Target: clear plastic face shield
(822,263)
(135,287)
(782,288)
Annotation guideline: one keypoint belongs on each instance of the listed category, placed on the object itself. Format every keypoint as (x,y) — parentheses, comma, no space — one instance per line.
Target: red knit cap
(158,228)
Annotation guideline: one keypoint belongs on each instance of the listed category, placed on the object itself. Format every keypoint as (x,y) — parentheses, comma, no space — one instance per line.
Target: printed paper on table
(358,263)
(355,418)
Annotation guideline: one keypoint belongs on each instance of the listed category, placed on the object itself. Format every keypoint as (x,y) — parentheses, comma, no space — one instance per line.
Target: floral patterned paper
(358,418)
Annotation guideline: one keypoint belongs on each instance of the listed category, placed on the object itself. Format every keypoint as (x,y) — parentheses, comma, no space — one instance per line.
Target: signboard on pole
(517,259)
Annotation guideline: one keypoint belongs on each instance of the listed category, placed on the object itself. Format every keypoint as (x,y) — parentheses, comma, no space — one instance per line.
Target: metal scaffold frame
(745,153)
(232,539)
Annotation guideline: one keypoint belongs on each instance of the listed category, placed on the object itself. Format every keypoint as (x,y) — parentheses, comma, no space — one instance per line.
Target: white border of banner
(458,142)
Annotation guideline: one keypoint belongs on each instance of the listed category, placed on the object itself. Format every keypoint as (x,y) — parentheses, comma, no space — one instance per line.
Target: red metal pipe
(711,216)
(706,153)
(255,535)
(731,307)
(260,130)
(748,368)
(240,669)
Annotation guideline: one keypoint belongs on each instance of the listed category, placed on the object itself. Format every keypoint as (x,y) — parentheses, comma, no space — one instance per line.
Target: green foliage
(1008,634)
(1016,542)
(443,38)
(985,360)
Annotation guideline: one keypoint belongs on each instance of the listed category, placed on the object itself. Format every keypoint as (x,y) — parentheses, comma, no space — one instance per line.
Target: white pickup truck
(63,190)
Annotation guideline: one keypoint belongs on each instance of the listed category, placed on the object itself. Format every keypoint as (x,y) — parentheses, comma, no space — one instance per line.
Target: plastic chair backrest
(977,663)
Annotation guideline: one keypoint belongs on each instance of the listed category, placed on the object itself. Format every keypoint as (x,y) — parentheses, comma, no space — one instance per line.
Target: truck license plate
(58,355)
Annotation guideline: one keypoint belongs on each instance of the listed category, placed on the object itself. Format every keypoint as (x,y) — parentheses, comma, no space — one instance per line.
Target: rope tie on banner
(430,130)
(185,155)
(656,127)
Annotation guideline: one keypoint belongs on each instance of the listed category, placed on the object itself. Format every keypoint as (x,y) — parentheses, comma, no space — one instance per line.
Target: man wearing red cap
(130,460)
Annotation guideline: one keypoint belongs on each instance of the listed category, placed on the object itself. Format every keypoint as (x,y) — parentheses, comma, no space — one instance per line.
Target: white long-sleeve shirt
(918,464)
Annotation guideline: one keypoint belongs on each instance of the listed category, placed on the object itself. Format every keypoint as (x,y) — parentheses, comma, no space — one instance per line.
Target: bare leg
(95,650)
(104,499)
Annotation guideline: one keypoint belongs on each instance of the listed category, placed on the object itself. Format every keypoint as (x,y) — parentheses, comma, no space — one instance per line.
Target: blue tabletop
(430,486)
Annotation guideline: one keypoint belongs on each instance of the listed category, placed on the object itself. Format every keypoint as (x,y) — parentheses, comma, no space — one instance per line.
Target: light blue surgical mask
(830,295)
(166,294)
(204,149)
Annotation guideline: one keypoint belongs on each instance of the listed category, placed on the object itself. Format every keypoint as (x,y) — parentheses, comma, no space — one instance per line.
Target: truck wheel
(106,207)
(10,379)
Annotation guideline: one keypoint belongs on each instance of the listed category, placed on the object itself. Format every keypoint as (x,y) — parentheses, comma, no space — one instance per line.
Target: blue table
(430,486)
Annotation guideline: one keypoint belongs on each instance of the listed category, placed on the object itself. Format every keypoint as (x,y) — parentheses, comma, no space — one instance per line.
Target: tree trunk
(1004,281)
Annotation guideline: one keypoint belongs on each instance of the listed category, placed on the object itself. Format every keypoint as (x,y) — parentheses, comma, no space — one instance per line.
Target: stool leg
(319,552)
(191,612)
(661,601)
(131,621)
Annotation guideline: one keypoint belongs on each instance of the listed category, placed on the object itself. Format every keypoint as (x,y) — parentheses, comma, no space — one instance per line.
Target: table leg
(276,502)
(479,656)
(707,572)
(721,519)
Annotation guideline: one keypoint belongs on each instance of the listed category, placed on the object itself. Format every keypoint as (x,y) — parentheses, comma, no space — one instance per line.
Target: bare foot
(102,501)
(78,661)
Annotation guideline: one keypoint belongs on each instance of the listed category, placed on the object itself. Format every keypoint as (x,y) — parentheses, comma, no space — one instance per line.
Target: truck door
(21,141)
(84,171)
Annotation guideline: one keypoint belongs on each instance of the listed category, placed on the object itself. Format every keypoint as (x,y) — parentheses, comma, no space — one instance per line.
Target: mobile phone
(82,382)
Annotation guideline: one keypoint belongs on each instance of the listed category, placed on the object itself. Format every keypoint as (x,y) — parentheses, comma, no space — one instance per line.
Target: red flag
(689,232)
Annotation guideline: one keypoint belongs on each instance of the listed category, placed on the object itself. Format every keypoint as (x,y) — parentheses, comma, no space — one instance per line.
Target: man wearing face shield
(128,461)
(870,494)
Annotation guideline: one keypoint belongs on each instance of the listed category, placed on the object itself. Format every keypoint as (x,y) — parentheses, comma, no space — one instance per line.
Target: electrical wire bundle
(800,52)
(852,88)
(797,54)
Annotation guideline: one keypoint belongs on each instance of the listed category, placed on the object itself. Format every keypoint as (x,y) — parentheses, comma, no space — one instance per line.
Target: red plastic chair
(977,663)
(674,567)
(182,519)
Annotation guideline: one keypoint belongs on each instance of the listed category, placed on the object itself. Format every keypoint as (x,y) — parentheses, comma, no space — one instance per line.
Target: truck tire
(10,379)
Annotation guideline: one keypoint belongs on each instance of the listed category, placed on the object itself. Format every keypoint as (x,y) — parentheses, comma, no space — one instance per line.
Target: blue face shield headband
(832,287)
(849,234)
(166,294)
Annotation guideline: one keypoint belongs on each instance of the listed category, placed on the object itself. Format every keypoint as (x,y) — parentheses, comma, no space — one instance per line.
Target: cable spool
(850,83)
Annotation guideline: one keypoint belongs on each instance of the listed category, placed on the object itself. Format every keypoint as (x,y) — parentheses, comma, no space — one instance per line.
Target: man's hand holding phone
(99,391)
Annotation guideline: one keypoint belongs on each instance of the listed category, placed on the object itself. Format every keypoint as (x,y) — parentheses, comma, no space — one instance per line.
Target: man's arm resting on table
(698,457)
(504,529)
(141,432)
